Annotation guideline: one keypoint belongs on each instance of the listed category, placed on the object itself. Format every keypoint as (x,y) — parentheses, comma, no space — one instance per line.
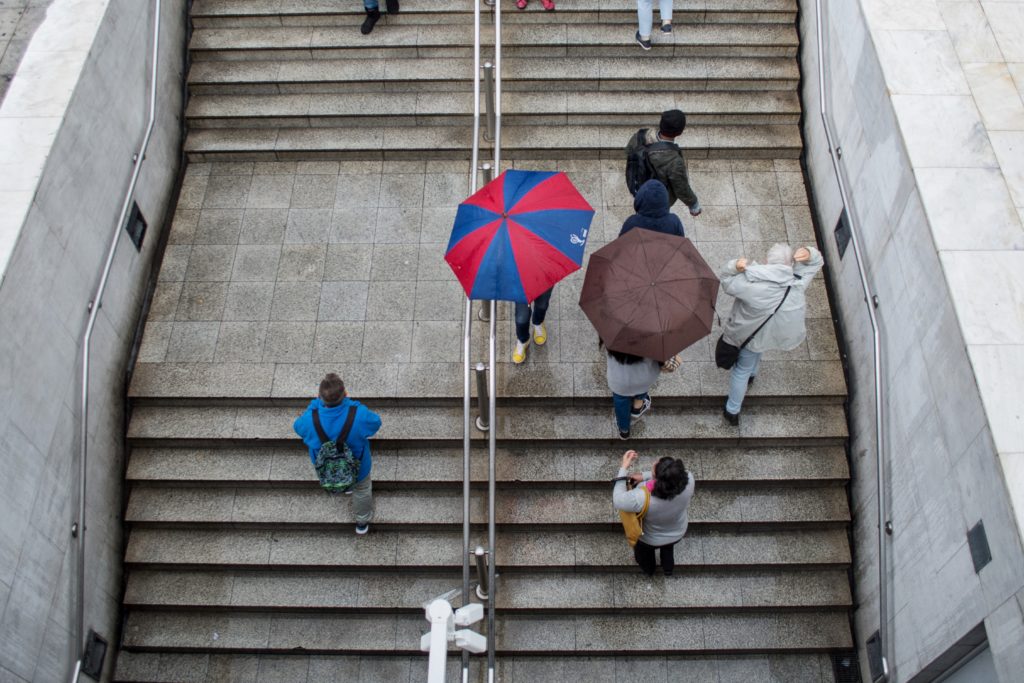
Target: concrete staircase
(296,80)
(239,568)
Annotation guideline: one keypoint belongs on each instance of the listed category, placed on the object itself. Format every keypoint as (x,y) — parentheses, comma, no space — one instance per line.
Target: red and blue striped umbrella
(519,235)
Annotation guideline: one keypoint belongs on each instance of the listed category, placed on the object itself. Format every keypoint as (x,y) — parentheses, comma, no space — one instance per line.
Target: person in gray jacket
(759,289)
(666,520)
(630,378)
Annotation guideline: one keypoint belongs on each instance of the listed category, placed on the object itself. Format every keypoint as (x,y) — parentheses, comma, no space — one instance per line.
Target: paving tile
(361,380)
(340,342)
(398,225)
(295,301)
(394,262)
(289,342)
(183,226)
(263,226)
(401,189)
(358,190)
(210,263)
(390,300)
(282,669)
(762,224)
(756,188)
(437,341)
(343,301)
(155,339)
(218,226)
(240,342)
(308,226)
(353,225)
(302,262)
(227,192)
(437,224)
(387,342)
(193,191)
(233,668)
(348,261)
(255,263)
(271,192)
(175,262)
(314,192)
(192,342)
(248,301)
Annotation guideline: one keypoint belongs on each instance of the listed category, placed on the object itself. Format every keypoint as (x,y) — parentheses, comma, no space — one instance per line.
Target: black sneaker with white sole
(645,44)
(637,413)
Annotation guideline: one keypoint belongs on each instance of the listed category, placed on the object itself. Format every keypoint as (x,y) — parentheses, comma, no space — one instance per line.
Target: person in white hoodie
(759,289)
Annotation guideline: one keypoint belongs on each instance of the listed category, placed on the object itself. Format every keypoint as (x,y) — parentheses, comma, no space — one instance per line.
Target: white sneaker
(519,352)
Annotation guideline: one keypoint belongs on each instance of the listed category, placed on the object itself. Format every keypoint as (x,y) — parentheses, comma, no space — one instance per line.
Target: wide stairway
(239,568)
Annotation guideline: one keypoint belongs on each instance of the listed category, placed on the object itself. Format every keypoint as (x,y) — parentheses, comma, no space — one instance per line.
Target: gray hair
(780,254)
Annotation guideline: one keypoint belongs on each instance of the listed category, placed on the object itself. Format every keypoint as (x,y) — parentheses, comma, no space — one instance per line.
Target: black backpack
(638,165)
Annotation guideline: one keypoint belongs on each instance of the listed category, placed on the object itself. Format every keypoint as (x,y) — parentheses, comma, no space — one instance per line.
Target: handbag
(633,522)
(726,354)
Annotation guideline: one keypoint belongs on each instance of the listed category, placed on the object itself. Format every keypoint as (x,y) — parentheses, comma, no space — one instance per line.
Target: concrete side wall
(945,475)
(52,272)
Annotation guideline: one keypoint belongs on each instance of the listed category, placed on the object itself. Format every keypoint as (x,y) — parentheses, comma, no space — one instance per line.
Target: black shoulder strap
(744,344)
(663,144)
(319,427)
(641,137)
(348,425)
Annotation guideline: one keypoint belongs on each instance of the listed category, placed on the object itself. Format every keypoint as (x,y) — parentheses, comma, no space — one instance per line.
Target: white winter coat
(758,290)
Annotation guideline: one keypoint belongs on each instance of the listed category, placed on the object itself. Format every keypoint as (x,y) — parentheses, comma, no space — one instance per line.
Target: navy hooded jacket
(332,419)
(651,206)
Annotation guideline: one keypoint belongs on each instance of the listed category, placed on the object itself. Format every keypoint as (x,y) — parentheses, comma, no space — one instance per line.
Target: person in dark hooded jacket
(651,206)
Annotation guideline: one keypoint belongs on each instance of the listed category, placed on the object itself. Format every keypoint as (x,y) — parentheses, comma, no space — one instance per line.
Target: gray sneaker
(645,44)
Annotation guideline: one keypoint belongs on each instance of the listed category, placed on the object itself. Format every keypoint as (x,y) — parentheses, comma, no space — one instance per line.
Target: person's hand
(636,478)
(741,264)
(802,254)
(628,458)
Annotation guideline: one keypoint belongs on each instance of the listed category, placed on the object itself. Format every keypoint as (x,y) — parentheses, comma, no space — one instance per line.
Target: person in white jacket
(758,290)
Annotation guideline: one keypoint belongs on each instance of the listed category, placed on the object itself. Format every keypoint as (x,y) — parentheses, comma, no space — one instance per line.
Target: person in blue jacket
(651,206)
(333,406)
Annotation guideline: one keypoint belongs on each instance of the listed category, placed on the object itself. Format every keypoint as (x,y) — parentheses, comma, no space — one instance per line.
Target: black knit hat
(673,122)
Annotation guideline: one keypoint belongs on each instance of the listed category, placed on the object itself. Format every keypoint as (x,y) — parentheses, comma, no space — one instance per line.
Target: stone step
(745,507)
(589,74)
(445,142)
(529,466)
(584,550)
(697,381)
(247,13)
(452,40)
(760,425)
(605,635)
(379,591)
(153,667)
(404,110)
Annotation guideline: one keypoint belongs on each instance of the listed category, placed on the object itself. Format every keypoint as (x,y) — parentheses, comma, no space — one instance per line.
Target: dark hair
(332,390)
(673,123)
(670,478)
(622,358)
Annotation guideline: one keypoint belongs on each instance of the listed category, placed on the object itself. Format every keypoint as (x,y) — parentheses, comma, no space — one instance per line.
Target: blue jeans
(745,368)
(624,404)
(645,14)
(540,309)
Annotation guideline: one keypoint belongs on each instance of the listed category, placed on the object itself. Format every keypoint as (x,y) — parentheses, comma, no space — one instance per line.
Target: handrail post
(483,421)
(489,101)
(482,587)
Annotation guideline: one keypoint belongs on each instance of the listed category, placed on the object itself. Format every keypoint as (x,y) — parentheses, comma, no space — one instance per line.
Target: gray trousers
(362,500)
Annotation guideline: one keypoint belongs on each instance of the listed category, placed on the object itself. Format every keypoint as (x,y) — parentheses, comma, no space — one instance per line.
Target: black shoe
(733,419)
(750,380)
(645,44)
(623,434)
(372,17)
(666,28)
(668,572)
(392,6)
(637,413)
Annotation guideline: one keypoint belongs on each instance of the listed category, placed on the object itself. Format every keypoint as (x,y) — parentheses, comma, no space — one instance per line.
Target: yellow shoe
(540,334)
(519,352)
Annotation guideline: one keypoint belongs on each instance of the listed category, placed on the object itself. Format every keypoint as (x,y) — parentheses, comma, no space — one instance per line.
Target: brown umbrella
(649,294)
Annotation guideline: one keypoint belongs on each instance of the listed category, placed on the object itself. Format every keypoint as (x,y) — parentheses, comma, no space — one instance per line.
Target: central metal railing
(483,558)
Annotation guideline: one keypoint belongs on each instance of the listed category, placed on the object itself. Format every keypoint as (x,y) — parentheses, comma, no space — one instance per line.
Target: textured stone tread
(376,590)
(290,464)
(611,634)
(311,548)
(427,423)
(309,506)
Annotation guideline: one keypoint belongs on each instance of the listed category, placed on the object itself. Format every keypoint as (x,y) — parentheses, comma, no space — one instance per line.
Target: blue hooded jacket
(332,419)
(651,206)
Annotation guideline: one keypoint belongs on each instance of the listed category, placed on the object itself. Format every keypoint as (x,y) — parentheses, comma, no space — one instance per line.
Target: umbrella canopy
(519,235)
(650,294)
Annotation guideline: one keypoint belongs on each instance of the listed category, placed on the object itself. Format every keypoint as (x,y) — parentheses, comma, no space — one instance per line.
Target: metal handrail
(78,526)
(884,525)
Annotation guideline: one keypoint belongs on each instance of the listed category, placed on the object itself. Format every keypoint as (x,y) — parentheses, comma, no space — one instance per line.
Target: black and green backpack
(335,465)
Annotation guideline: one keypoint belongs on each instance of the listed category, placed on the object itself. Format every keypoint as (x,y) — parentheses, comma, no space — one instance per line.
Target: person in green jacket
(669,164)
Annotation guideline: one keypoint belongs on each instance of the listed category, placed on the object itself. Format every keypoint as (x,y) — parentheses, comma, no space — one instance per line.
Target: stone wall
(944,474)
(78,108)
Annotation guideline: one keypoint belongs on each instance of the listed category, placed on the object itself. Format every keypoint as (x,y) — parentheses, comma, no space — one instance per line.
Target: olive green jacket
(670,167)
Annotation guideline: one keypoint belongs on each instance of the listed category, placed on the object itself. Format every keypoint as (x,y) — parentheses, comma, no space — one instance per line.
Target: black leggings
(644,555)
